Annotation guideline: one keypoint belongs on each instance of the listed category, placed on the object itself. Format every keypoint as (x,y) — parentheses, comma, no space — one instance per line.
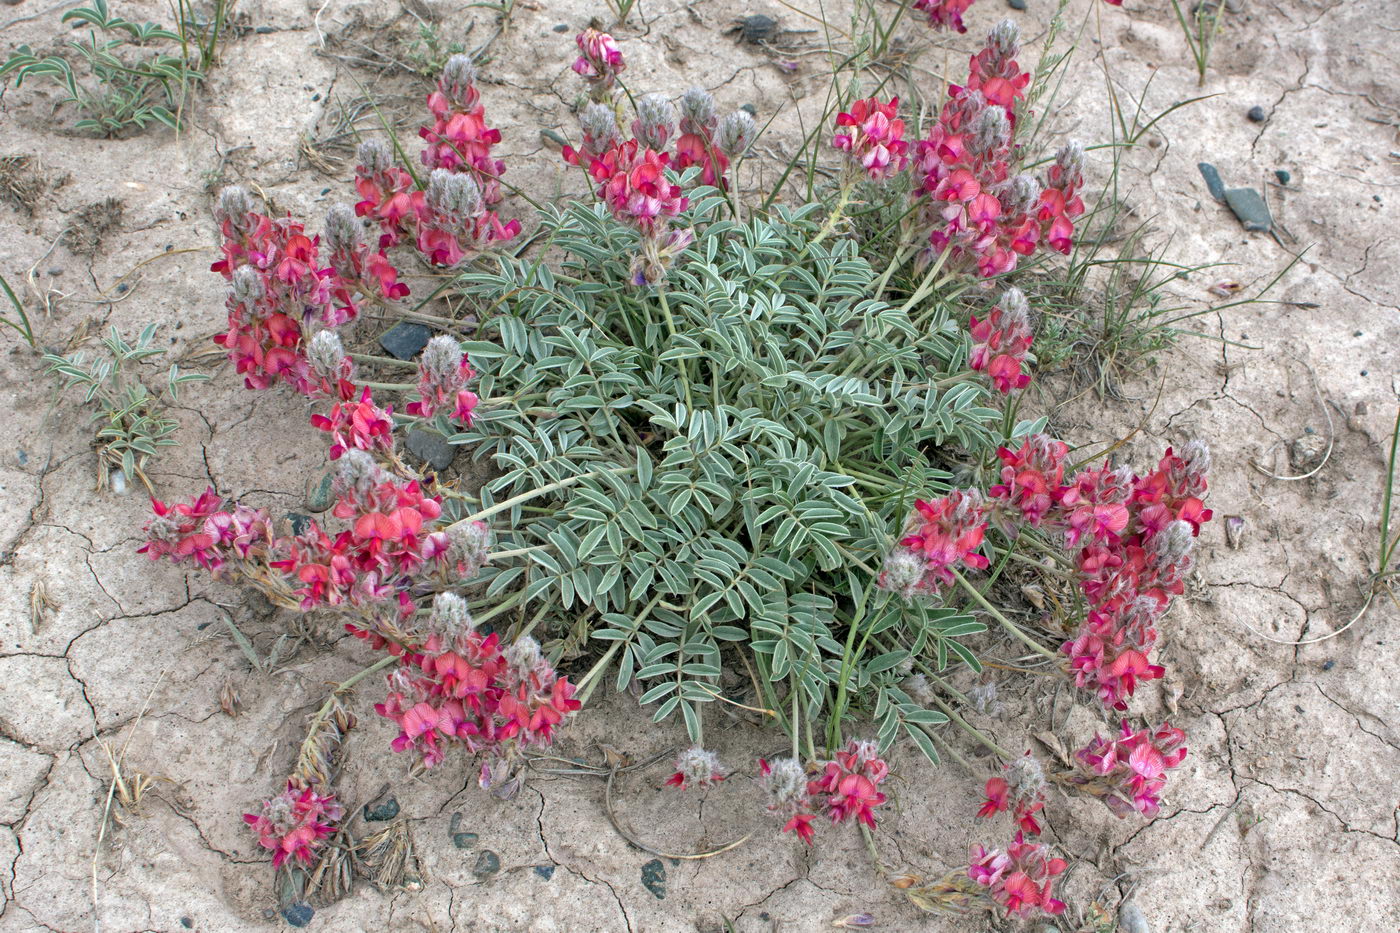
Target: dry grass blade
(386,857)
(40,602)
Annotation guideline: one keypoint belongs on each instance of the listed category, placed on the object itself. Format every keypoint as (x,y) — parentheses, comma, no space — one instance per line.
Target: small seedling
(1200,26)
(122,81)
(131,420)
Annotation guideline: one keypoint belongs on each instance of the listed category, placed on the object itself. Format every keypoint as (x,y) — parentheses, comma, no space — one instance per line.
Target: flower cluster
(279,288)
(452,218)
(204,531)
(443,374)
(356,424)
(938,536)
(696,767)
(945,14)
(1001,340)
(980,211)
(1128,773)
(1132,536)
(1022,791)
(460,685)
(843,789)
(1019,879)
(599,63)
(295,823)
(875,141)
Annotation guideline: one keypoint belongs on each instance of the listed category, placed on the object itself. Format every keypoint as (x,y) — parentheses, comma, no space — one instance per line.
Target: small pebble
(315,97)
(55,272)
(1256,114)
(464,840)
(122,288)
(1131,919)
(384,812)
(263,31)
(1234,531)
(545,871)
(186,922)
(1016,4)
(487,864)
(320,498)
(654,878)
(1213,182)
(1356,333)
(1248,205)
(298,915)
(21,456)
(1328,664)
(1282,176)
(299,522)
(562,27)
(750,109)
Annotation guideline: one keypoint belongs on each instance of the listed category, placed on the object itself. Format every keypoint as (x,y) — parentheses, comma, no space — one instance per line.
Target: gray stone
(299,522)
(1282,176)
(405,340)
(1213,182)
(1016,4)
(432,448)
(320,498)
(1256,114)
(298,915)
(1248,205)
(384,812)
(654,878)
(487,864)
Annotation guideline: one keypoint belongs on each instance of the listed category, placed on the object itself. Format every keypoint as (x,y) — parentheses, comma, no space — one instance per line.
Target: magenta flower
(1020,879)
(599,62)
(295,823)
(876,140)
(1001,342)
(944,14)
(1032,478)
(1129,773)
(938,535)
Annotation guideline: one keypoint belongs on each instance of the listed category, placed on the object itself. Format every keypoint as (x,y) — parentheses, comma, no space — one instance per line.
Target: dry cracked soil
(1282,820)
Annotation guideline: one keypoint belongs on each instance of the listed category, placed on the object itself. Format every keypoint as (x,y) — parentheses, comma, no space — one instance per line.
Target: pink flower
(1129,773)
(459,139)
(1019,879)
(1032,478)
(997,801)
(938,535)
(599,62)
(443,374)
(294,823)
(632,182)
(876,142)
(1001,341)
(357,425)
(943,14)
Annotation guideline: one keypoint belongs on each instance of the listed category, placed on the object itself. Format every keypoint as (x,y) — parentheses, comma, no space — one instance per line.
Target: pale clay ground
(1283,817)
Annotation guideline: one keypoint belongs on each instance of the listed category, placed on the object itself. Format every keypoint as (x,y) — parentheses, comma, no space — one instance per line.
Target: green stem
(684,368)
(382,360)
(1006,623)
(526,496)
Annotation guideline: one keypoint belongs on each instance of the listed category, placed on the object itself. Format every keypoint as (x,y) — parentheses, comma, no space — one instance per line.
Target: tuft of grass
(20,324)
(1200,26)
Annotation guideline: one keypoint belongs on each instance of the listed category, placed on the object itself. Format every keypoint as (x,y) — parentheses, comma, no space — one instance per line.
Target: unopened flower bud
(470,546)
(524,658)
(902,572)
(1005,39)
(736,133)
(990,131)
(375,157)
(919,689)
(344,232)
(699,768)
(1025,776)
(458,78)
(1196,455)
(1172,545)
(599,126)
(656,121)
(450,616)
(441,359)
(1070,160)
(327,356)
(697,111)
(235,204)
(356,474)
(1015,312)
(454,194)
(246,289)
(785,783)
(1022,194)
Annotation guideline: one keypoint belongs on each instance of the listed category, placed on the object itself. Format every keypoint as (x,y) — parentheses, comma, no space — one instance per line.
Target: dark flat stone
(299,522)
(487,864)
(405,340)
(1213,182)
(384,812)
(464,840)
(545,871)
(654,878)
(1283,176)
(432,448)
(1256,114)
(320,498)
(1016,4)
(298,915)
(1248,205)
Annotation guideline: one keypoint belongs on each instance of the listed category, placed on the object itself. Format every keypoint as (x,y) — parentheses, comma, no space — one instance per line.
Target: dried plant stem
(1006,623)
(616,825)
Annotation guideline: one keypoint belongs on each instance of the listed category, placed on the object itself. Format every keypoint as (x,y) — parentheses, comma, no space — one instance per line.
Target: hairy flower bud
(697,111)
(235,204)
(1070,160)
(902,573)
(246,289)
(470,546)
(1021,194)
(441,359)
(375,156)
(344,232)
(1015,308)
(785,783)
(600,133)
(1025,776)
(1005,39)
(991,131)
(1172,545)
(656,121)
(1196,455)
(454,194)
(356,475)
(458,81)
(698,768)
(736,133)
(525,659)
(450,616)
(326,355)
